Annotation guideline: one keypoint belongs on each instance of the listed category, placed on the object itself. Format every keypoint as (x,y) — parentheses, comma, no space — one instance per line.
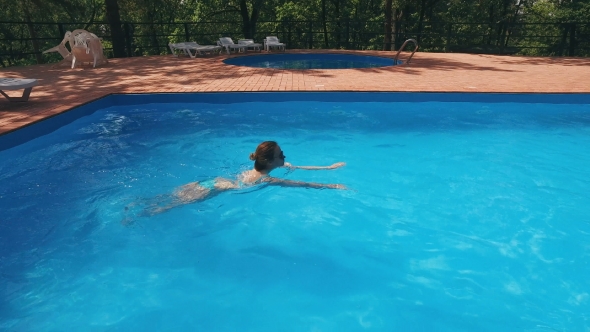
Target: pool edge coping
(114,99)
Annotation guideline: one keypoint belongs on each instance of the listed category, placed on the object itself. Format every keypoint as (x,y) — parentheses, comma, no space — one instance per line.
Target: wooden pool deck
(61,88)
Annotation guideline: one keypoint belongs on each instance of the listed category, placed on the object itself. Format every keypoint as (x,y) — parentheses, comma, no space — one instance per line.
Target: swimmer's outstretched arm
(301,184)
(314,168)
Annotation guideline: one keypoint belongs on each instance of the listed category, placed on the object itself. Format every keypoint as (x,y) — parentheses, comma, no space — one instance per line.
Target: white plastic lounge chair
(273,42)
(62,50)
(86,47)
(17,84)
(250,44)
(189,47)
(229,45)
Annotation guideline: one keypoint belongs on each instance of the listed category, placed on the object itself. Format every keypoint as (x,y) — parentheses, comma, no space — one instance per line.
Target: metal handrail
(403,46)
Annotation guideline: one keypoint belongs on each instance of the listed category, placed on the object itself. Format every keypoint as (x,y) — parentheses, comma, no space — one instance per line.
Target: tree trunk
(253,21)
(513,19)
(245,18)
(152,31)
(33,34)
(249,22)
(338,26)
(491,26)
(324,24)
(397,18)
(388,23)
(421,20)
(117,35)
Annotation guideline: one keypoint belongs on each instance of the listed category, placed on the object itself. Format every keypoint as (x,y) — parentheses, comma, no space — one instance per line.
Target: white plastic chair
(86,47)
(273,42)
(250,44)
(229,45)
(62,49)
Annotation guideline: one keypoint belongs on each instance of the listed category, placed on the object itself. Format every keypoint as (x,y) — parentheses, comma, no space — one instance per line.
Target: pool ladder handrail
(403,46)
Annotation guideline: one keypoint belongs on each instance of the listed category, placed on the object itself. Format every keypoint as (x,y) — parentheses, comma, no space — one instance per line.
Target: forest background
(145,27)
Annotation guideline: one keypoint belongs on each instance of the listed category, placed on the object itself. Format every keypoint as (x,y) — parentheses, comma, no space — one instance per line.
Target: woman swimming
(267,157)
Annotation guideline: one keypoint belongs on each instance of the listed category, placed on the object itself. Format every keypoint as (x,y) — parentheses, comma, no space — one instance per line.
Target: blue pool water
(461,215)
(311,61)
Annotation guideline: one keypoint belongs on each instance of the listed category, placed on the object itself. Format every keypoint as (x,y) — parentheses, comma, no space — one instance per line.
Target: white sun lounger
(273,42)
(250,44)
(17,84)
(193,49)
(229,45)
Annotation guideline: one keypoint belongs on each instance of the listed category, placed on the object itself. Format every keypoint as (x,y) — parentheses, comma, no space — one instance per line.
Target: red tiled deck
(61,88)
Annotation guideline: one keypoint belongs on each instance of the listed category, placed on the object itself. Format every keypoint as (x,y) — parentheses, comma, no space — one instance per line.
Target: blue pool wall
(46,126)
(248,60)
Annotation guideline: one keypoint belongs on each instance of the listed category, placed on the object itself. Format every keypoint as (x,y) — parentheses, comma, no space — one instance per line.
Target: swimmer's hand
(336,186)
(336,165)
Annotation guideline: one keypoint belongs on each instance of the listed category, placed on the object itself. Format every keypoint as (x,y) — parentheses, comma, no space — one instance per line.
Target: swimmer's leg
(144,207)
(191,192)
(186,194)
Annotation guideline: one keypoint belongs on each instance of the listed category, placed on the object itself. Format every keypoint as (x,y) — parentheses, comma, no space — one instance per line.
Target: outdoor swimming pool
(466,212)
(311,61)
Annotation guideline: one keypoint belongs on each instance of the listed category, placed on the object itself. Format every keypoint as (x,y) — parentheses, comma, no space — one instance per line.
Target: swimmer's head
(268,155)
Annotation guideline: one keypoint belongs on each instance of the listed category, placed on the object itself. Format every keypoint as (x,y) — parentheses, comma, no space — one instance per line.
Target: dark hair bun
(252,156)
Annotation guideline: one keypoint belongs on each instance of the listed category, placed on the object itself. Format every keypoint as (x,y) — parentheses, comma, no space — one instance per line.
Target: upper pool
(465,212)
(311,61)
